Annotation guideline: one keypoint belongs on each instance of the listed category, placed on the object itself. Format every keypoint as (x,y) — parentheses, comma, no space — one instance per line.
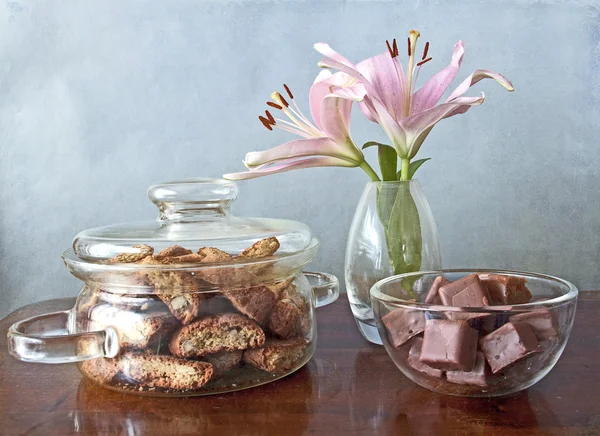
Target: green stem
(370,171)
(404,169)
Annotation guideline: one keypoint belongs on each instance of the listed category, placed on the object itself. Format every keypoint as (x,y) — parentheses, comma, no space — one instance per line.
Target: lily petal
(325,84)
(383,73)
(418,126)
(376,112)
(330,53)
(375,104)
(364,108)
(431,92)
(475,77)
(335,118)
(392,128)
(353,72)
(358,93)
(301,148)
(321,161)
(391,125)
(318,91)
(355,92)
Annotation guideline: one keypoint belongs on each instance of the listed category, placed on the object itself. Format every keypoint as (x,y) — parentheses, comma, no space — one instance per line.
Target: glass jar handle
(46,339)
(325,287)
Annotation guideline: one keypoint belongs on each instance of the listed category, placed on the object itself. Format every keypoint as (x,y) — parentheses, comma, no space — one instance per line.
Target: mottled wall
(100,99)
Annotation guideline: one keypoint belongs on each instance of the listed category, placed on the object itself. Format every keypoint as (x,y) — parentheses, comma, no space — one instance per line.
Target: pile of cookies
(182,336)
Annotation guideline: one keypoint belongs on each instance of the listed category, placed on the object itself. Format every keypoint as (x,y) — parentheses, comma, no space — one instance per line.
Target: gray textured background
(100,99)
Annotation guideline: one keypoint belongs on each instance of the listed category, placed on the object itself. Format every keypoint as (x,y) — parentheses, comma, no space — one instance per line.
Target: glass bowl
(479,351)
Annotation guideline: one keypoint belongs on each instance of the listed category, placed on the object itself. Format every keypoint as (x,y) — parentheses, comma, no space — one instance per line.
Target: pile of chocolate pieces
(462,345)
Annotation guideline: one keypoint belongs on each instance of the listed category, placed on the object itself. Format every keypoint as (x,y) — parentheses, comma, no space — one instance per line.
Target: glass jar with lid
(196,302)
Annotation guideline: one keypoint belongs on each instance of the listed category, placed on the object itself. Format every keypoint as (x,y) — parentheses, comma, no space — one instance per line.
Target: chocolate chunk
(475,377)
(543,323)
(474,295)
(504,289)
(466,292)
(485,323)
(403,324)
(449,345)
(413,359)
(432,296)
(510,343)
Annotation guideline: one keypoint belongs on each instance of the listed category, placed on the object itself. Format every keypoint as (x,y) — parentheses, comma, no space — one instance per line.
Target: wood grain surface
(350,387)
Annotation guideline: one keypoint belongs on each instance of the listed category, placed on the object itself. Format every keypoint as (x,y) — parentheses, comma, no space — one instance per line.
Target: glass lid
(193,214)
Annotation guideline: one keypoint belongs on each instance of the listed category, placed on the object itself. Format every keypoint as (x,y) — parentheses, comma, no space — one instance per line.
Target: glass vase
(392,232)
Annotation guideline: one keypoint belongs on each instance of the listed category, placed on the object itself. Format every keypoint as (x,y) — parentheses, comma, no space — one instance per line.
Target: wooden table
(349,387)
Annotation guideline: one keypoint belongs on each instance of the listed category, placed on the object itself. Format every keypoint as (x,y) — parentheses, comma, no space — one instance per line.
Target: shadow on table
(407,408)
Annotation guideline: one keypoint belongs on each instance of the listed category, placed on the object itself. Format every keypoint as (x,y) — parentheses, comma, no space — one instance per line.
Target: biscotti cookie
(223,361)
(179,290)
(210,335)
(172,251)
(135,330)
(255,302)
(149,371)
(279,287)
(100,370)
(259,250)
(263,248)
(290,316)
(87,300)
(213,255)
(276,356)
(165,371)
(216,303)
(222,275)
(138,253)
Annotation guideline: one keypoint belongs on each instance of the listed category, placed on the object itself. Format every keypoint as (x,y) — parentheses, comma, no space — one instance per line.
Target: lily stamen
(425,51)
(423,62)
(300,124)
(298,113)
(295,130)
(412,45)
(393,48)
(265,122)
(282,100)
(270,117)
(389,48)
(288,91)
(275,105)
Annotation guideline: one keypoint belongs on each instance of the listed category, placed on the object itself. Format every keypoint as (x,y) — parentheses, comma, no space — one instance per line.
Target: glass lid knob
(193,199)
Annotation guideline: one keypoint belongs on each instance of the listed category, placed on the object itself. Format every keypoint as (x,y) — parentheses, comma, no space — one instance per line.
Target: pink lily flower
(386,94)
(326,140)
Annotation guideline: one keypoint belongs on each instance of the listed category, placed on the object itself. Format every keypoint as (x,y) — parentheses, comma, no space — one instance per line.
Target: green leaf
(399,217)
(404,232)
(374,143)
(388,159)
(414,166)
